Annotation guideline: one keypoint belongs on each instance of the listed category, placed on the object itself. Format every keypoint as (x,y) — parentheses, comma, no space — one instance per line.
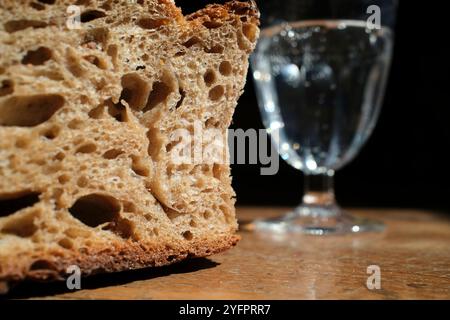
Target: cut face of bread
(89,109)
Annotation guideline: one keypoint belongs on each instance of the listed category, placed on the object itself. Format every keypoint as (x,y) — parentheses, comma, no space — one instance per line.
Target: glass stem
(319,190)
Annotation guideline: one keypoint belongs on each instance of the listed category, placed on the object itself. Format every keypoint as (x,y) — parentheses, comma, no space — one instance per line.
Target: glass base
(318,220)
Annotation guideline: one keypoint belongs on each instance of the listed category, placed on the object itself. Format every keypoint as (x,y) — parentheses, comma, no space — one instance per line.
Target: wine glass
(320,69)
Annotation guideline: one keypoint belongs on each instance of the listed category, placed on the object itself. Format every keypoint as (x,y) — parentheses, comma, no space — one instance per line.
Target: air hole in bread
(37,6)
(209,77)
(217,171)
(182,96)
(41,265)
(96,61)
(159,94)
(199,184)
(65,243)
(171,257)
(95,209)
(216,93)
(97,112)
(106,6)
(22,142)
(117,111)
(212,123)
(212,24)
(84,99)
(113,52)
(63,179)
(192,42)
(185,166)
(238,8)
(60,156)
(170,169)
(100,83)
(139,167)
(50,229)
(38,56)
(246,36)
(206,169)
(148,217)
(82,182)
(171,213)
(23,226)
(18,25)
(129,207)
(47,1)
(188,235)
(250,31)
(122,227)
(225,68)
(87,148)
(75,124)
(83,2)
(90,15)
(112,154)
(51,133)
(6,87)
(38,161)
(11,203)
(29,111)
(207,214)
(96,38)
(150,23)
(135,91)
(215,49)
(169,148)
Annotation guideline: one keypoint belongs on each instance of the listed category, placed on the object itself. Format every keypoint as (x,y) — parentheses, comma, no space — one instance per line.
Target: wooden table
(413,256)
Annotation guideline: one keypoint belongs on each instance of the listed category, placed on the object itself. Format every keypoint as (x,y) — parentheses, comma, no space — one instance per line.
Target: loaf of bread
(87,116)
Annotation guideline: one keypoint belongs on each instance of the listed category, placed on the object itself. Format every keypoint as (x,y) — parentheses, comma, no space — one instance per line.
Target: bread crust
(130,256)
(248,9)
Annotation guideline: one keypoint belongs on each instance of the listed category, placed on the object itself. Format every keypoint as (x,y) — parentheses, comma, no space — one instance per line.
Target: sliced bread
(88,111)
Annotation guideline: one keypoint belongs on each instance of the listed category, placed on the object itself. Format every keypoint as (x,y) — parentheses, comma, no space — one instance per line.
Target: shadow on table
(29,289)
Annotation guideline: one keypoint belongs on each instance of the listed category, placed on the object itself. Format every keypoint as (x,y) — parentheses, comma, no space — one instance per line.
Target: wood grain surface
(413,255)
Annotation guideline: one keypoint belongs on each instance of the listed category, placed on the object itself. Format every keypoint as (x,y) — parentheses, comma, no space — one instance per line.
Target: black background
(406,161)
